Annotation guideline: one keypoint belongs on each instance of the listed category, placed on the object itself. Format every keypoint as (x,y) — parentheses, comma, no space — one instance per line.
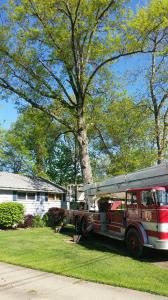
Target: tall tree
(36,145)
(62,163)
(14,155)
(158,88)
(157,67)
(124,139)
(52,51)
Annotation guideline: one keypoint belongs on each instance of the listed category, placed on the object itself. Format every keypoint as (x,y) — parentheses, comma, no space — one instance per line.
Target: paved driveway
(17,283)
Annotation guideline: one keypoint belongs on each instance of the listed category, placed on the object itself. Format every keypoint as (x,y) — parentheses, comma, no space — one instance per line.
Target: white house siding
(37,207)
(6,196)
(32,207)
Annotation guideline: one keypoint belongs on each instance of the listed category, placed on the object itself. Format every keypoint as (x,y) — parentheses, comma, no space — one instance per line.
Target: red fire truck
(141,219)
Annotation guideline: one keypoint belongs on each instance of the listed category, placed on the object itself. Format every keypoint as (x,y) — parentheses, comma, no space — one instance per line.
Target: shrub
(38,221)
(28,221)
(11,214)
(54,216)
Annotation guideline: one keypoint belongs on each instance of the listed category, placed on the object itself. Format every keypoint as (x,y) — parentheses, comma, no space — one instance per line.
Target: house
(36,194)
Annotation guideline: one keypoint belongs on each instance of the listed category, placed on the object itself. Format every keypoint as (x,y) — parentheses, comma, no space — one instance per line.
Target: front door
(149,215)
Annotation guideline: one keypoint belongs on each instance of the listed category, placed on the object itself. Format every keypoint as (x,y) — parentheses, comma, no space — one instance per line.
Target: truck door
(132,206)
(149,214)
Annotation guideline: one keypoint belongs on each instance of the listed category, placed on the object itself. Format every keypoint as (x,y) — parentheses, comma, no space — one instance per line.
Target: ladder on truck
(152,176)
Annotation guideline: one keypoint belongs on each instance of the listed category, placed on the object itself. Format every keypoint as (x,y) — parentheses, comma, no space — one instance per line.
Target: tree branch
(43,24)
(104,143)
(165,96)
(105,10)
(42,93)
(5,84)
(113,58)
(60,84)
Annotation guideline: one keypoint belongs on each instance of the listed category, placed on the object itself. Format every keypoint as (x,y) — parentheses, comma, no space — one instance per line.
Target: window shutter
(46,197)
(64,197)
(38,196)
(14,195)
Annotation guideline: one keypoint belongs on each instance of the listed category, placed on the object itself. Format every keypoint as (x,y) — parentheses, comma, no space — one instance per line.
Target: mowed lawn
(92,260)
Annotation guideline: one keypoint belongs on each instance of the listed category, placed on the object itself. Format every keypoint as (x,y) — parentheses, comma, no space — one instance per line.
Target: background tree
(123,141)
(157,67)
(35,145)
(14,156)
(51,53)
(63,163)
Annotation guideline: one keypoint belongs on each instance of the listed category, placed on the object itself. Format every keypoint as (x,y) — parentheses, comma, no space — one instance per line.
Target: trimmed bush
(54,217)
(38,221)
(11,214)
(28,221)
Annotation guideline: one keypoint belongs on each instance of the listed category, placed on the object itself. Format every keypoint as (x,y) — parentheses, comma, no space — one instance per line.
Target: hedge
(11,214)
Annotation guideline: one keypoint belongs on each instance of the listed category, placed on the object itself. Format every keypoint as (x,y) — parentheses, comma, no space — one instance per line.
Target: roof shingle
(11,181)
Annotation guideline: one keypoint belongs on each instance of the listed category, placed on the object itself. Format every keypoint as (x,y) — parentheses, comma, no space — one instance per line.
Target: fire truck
(132,208)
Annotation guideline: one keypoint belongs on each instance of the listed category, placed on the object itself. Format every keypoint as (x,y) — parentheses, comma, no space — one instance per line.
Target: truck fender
(141,231)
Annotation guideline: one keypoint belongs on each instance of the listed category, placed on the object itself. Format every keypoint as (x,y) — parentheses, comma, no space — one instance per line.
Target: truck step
(116,236)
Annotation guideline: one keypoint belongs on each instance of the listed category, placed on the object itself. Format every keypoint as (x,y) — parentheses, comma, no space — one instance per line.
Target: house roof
(11,181)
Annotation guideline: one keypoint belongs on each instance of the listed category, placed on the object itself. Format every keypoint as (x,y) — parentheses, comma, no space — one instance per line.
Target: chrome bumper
(161,244)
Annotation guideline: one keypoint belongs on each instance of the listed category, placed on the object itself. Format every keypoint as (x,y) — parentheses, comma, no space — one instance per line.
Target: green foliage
(11,214)
(38,221)
(149,26)
(149,21)
(53,55)
(14,155)
(125,137)
(63,163)
(53,66)
(31,146)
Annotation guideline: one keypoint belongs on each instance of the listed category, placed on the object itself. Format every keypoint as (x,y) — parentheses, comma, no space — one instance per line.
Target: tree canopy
(53,54)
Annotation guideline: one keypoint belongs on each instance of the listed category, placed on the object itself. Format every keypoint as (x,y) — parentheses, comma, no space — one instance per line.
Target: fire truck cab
(147,210)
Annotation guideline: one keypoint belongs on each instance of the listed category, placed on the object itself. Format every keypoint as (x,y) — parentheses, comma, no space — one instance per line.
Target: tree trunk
(159,139)
(83,146)
(160,152)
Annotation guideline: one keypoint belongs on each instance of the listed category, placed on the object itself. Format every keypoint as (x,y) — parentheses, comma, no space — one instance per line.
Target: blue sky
(8,114)
(8,111)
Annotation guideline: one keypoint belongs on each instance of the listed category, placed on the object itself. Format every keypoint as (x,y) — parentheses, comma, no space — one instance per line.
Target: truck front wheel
(134,243)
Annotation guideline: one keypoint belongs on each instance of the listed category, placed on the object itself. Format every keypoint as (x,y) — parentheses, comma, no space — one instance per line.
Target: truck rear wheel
(134,243)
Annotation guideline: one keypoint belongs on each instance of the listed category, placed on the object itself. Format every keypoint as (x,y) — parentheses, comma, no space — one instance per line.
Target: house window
(59,197)
(64,197)
(51,197)
(14,195)
(21,196)
(31,196)
(38,196)
(46,197)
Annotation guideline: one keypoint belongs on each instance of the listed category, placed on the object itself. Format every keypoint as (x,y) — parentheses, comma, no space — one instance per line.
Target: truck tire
(134,243)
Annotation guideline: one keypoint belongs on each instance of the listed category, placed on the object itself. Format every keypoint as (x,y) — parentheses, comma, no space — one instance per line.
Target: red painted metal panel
(163,214)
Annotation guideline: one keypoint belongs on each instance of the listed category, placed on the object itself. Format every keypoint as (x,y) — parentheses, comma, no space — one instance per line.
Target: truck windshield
(162,197)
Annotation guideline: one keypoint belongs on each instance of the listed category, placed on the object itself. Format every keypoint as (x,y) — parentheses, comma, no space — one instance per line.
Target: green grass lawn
(92,260)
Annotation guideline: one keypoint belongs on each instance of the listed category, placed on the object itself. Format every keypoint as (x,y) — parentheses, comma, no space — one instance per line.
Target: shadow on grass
(105,244)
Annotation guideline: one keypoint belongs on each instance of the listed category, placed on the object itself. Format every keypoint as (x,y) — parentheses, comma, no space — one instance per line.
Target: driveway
(18,283)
